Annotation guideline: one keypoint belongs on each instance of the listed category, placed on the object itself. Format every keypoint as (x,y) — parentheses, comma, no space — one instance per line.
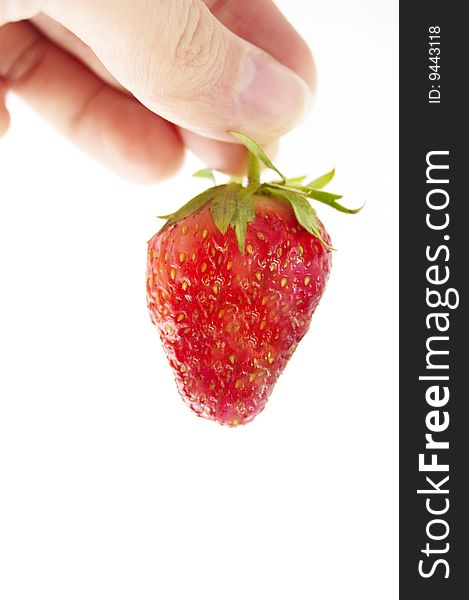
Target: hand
(133,82)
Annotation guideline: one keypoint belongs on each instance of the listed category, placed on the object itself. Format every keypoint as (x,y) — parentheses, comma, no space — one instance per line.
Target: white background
(110,488)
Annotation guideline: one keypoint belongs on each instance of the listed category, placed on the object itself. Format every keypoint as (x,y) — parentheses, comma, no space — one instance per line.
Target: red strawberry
(232,282)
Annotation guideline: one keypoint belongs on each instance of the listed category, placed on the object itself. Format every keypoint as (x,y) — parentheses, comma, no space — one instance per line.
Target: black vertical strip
(434,269)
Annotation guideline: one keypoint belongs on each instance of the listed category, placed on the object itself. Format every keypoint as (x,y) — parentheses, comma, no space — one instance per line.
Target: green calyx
(232,204)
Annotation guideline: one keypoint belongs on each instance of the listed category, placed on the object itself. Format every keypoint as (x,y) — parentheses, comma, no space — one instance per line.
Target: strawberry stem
(254,170)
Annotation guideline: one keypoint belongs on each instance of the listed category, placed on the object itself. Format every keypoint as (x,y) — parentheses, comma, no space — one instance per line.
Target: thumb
(182,63)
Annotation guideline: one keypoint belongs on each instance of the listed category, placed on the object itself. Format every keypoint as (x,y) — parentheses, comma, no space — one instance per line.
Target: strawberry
(233,279)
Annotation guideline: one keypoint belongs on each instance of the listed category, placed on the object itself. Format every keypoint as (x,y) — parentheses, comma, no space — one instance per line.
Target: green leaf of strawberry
(331,200)
(244,214)
(324,198)
(205,174)
(304,212)
(294,180)
(257,151)
(193,205)
(223,207)
(321,182)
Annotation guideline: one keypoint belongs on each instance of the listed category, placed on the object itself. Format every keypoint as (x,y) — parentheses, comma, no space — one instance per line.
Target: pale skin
(136,82)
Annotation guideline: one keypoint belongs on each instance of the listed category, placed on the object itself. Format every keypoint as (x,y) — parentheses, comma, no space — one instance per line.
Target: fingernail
(272,98)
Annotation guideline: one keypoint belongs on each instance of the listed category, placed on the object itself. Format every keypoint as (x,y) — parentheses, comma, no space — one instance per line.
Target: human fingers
(112,126)
(182,63)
